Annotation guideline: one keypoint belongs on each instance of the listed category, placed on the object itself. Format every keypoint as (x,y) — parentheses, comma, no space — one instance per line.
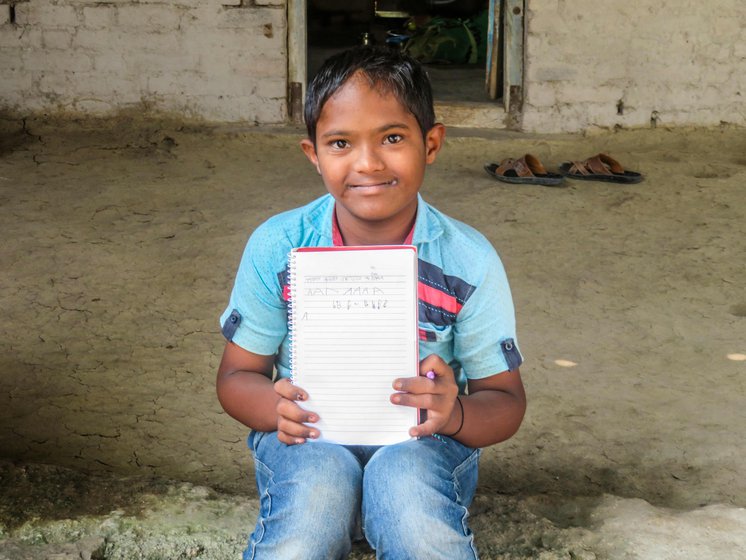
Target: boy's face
(372,157)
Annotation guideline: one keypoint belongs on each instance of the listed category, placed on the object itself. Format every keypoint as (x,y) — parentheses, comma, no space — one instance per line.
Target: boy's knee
(413,505)
(324,494)
(326,486)
(310,498)
(400,490)
(402,472)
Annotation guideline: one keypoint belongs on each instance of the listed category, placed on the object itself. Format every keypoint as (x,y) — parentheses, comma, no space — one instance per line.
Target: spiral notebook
(353,323)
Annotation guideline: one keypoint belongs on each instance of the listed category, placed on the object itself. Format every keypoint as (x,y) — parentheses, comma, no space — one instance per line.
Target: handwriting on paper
(359,292)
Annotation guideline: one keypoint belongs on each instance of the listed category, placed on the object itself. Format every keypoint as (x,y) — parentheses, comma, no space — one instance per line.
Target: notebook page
(354,332)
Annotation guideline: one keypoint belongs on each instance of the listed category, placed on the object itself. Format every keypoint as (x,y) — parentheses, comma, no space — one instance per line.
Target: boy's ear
(434,141)
(310,150)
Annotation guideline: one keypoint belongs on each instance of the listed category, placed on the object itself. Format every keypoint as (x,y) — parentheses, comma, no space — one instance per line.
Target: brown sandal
(600,167)
(526,170)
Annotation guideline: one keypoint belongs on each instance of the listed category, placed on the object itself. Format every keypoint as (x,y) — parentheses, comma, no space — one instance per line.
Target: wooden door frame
(514,30)
(297,34)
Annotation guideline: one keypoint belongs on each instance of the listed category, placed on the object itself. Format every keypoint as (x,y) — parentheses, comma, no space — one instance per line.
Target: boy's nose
(368,160)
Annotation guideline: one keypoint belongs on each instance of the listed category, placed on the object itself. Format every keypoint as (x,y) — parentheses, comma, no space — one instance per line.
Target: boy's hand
(291,418)
(436,395)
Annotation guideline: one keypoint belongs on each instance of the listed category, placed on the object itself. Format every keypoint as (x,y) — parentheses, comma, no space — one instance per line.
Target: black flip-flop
(600,167)
(526,170)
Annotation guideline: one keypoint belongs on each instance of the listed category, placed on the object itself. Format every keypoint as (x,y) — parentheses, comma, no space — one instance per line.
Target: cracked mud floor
(121,239)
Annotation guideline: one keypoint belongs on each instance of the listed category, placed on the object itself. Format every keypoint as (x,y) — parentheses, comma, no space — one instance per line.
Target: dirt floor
(121,241)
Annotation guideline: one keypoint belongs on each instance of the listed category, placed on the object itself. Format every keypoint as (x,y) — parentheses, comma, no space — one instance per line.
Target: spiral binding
(292,279)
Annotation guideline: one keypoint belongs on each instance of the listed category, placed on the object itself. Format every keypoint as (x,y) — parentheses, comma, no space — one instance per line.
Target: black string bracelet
(461,405)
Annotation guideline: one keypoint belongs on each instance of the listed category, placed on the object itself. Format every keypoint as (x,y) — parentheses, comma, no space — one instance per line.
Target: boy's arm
(247,393)
(491,413)
(245,389)
(493,409)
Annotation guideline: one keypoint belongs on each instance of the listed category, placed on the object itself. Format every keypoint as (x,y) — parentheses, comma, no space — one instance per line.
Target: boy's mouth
(373,186)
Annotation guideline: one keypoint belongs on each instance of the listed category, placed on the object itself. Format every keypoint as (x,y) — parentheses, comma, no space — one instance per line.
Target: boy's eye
(339,144)
(393,139)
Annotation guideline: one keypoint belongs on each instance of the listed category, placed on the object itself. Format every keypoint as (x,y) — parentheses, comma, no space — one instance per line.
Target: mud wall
(634,64)
(217,60)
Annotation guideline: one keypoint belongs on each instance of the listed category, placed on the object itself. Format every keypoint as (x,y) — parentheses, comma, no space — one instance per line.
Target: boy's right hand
(291,418)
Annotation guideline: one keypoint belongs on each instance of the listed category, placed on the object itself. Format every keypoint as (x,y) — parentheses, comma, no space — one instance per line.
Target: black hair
(387,69)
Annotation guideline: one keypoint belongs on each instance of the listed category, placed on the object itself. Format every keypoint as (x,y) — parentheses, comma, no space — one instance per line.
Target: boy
(371,133)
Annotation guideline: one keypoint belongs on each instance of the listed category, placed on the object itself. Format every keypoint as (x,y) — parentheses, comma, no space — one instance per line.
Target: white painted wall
(684,59)
(226,60)
(215,60)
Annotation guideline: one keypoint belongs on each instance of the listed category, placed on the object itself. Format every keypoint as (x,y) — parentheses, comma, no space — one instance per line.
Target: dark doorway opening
(453,38)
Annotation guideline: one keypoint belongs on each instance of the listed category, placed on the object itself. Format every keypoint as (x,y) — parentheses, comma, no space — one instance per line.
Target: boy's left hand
(437,396)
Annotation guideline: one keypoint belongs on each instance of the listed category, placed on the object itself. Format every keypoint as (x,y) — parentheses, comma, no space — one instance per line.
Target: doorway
(476,77)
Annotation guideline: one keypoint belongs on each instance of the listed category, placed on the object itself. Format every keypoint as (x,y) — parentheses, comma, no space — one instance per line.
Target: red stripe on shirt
(436,298)
(425,335)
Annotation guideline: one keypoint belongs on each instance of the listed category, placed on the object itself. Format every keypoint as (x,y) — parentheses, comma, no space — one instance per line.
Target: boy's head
(387,70)
(371,134)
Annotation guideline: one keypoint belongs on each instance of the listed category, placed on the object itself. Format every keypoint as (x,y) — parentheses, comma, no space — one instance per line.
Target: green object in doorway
(449,40)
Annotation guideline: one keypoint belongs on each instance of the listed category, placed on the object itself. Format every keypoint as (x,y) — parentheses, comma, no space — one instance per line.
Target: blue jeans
(410,499)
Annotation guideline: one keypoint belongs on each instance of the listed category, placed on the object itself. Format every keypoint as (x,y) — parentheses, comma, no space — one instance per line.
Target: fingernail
(299,440)
(313,435)
(298,397)
(430,374)
(398,385)
(396,398)
(313,418)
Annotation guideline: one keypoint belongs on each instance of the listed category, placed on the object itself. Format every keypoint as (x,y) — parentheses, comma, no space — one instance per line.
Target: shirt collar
(426,225)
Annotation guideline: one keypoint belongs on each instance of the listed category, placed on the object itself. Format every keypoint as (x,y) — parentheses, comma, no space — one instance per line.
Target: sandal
(600,167)
(526,170)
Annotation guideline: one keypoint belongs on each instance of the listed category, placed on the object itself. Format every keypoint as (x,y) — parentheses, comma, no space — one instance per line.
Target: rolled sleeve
(257,298)
(485,341)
